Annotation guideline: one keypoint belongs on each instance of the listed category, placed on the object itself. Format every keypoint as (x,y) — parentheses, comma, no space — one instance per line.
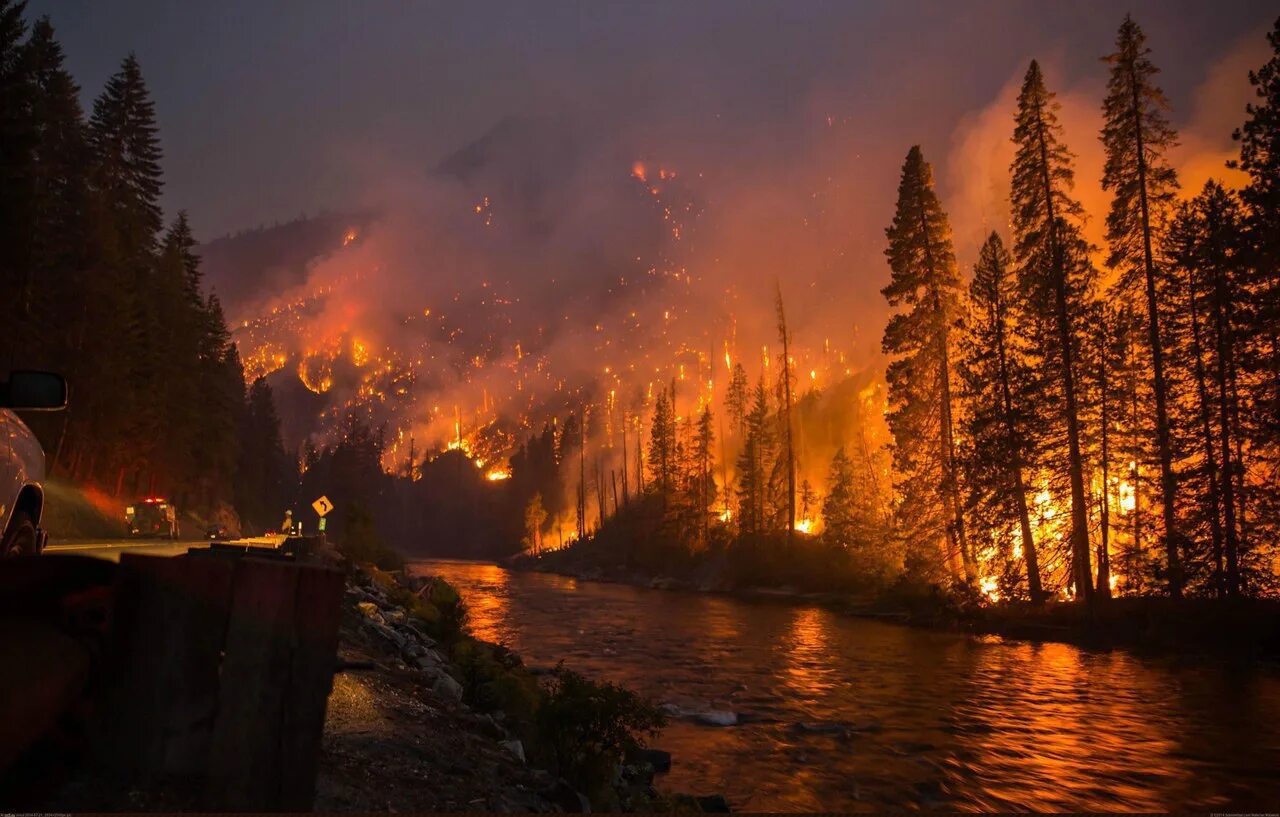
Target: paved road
(111,549)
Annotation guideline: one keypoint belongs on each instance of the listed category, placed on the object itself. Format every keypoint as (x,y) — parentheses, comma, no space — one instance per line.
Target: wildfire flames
(478,369)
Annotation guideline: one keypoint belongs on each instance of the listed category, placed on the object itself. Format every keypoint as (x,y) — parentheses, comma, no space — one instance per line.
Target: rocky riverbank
(409,729)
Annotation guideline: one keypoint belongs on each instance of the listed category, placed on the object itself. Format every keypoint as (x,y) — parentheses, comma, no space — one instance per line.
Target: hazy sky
(268,109)
(786,123)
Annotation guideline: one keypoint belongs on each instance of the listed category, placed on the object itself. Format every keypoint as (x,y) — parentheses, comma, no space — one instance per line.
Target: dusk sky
(271,109)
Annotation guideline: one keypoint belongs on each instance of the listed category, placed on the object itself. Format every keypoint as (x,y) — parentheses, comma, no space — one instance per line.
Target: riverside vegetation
(585,736)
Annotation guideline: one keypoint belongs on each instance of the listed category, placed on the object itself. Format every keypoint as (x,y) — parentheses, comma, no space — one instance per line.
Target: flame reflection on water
(854,715)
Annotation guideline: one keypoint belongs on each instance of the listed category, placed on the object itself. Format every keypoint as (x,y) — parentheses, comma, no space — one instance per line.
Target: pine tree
(1207,247)
(754,462)
(736,401)
(221,380)
(807,498)
(662,448)
(127,153)
(1056,280)
(535,516)
(261,490)
(925,287)
(705,494)
(1101,360)
(55,226)
(852,519)
(997,387)
(1133,433)
(1259,140)
(837,506)
(126,184)
(1137,136)
(15,172)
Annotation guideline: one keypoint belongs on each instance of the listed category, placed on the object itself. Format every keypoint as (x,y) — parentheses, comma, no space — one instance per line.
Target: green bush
(584,728)
(438,608)
(494,678)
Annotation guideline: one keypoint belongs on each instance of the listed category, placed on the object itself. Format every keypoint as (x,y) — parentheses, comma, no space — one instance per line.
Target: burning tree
(1259,376)
(1206,250)
(998,387)
(926,285)
(1136,136)
(754,460)
(1056,282)
(784,415)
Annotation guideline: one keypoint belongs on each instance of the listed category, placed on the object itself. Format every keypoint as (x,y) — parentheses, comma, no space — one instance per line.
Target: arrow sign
(322,505)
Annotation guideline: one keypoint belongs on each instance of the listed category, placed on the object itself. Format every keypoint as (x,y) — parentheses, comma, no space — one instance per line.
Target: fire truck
(152,516)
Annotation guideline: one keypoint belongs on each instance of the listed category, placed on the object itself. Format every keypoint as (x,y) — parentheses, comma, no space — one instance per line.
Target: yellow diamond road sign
(322,505)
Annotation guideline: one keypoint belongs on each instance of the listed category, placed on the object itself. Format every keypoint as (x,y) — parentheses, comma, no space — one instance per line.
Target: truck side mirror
(34,391)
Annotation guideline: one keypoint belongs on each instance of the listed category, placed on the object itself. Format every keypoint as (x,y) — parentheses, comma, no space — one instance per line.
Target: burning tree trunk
(788,444)
(626,494)
(1105,353)
(996,387)
(1136,136)
(1056,277)
(925,283)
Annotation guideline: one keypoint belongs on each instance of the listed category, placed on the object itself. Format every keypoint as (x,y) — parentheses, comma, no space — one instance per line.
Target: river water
(838,713)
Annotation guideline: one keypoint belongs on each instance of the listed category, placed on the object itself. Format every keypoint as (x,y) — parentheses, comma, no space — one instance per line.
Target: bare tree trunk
(582,476)
(626,494)
(1104,543)
(1134,472)
(786,417)
(600,497)
(640,456)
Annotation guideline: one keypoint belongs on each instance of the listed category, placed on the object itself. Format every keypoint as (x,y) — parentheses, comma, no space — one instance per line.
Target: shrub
(584,728)
(494,678)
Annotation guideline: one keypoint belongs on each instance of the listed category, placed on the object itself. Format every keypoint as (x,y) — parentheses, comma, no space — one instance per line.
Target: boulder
(370,611)
(515,747)
(446,687)
(387,633)
(569,799)
(716,717)
(420,634)
(394,616)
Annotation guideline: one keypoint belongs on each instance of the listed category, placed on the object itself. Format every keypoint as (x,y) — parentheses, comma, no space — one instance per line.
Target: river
(839,713)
